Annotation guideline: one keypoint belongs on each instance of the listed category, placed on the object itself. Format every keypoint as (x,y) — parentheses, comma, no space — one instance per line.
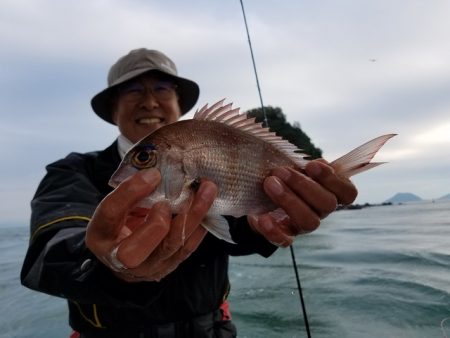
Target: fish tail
(358,160)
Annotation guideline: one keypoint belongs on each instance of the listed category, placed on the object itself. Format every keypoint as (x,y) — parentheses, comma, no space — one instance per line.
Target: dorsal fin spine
(220,111)
(228,115)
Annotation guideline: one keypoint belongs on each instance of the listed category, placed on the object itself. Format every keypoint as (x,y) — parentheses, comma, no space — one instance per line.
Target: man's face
(143,105)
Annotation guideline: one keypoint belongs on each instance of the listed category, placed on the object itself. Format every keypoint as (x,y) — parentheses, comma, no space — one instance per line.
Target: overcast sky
(347,71)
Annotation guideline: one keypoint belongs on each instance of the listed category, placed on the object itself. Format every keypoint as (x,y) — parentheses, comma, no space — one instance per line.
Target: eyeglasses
(136,90)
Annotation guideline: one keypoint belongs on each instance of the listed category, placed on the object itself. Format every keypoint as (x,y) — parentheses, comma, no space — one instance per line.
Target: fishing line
(266,124)
(443,327)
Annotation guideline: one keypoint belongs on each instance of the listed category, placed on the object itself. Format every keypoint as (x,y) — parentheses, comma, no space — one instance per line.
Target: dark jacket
(58,262)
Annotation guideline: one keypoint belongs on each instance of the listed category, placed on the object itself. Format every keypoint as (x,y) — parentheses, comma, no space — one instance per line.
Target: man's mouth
(149,120)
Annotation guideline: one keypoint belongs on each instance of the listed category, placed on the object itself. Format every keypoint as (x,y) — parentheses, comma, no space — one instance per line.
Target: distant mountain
(445,197)
(403,197)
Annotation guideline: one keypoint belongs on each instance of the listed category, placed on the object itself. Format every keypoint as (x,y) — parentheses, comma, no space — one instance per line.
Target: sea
(380,271)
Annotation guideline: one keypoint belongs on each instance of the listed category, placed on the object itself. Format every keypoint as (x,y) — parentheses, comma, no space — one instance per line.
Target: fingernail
(282,173)
(151,175)
(313,169)
(274,186)
(252,219)
(266,224)
(207,191)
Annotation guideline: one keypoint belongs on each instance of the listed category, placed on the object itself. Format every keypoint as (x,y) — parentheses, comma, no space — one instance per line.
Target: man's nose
(148,100)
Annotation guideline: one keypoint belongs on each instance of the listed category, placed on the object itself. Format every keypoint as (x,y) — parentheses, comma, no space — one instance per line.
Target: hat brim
(188,93)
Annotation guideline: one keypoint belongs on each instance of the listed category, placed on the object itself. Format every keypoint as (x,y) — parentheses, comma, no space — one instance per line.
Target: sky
(347,71)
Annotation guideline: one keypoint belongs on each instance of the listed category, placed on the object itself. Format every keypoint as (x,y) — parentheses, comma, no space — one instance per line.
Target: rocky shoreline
(361,206)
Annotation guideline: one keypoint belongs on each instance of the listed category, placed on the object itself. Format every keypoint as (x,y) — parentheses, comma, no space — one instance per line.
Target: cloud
(436,135)
(348,71)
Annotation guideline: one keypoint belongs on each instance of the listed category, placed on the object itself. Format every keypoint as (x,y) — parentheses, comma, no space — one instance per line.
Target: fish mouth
(121,174)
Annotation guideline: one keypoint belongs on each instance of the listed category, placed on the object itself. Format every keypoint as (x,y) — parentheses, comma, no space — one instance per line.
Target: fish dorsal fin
(231,117)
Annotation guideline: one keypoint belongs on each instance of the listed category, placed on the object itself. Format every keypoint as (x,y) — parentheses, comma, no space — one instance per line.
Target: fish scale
(239,163)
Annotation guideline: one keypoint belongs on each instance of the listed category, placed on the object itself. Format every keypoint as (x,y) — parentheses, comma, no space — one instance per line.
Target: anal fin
(218,226)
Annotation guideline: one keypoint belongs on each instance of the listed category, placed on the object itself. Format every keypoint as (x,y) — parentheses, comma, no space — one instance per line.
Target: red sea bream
(231,150)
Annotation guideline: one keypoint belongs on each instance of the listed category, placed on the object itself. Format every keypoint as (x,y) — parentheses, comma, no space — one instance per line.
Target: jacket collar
(105,165)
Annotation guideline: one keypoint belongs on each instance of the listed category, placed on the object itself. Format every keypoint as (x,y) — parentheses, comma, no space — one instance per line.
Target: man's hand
(304,199)
(146,244)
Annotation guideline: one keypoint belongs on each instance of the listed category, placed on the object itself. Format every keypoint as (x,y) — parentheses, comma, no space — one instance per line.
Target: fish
(233,151)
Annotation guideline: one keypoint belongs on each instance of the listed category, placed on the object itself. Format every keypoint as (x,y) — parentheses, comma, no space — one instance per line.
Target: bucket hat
(138,62)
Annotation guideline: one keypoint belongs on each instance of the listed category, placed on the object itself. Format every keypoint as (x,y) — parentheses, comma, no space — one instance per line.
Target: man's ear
(114,116)
(114,110)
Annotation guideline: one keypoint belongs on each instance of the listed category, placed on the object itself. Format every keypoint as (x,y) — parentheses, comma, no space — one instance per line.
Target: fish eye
(144,158)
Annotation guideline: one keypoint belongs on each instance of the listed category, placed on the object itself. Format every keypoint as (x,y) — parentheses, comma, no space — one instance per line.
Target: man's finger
(341,187)
(132,190)
(112,210)
(302,215)
(272,231)
(202,201)
(164,267)
(184,225)
(135,249)
(317,197)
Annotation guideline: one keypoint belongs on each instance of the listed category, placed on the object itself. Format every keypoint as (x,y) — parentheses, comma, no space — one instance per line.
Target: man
(127,271)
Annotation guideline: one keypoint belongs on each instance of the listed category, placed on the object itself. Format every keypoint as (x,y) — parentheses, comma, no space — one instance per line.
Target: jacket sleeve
(57,261)
(247,241)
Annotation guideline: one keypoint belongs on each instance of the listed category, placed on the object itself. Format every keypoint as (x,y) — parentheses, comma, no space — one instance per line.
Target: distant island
(445,197)
(403,197)
(398,198)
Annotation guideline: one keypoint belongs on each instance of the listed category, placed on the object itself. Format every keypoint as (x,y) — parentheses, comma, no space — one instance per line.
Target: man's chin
(144,130)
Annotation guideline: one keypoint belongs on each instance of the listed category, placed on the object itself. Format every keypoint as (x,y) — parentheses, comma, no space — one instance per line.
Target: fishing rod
(266,124)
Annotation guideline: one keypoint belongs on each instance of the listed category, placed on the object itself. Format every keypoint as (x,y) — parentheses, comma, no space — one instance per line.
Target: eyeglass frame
(126,89)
